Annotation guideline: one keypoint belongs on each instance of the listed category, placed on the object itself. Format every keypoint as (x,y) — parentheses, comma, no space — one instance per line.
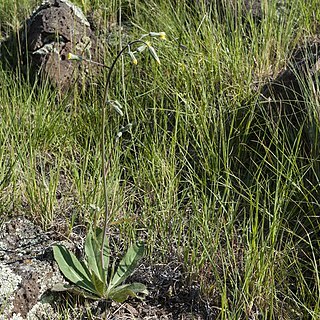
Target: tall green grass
(204,176)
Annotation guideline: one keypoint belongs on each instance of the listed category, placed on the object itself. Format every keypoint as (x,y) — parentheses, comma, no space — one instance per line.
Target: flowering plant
(93,277)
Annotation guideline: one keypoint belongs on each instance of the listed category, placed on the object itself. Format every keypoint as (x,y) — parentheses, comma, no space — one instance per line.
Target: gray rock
(287,101)
(55,29)
(27,271)
(289,87)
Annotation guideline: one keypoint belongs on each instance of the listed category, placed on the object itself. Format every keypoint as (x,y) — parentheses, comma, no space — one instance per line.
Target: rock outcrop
(288,93)
(288,102)
(55,29)
(27,271)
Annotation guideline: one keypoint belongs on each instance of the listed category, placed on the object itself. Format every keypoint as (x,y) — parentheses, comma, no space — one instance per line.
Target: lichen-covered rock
(56,28)
(9,284)
(27,271)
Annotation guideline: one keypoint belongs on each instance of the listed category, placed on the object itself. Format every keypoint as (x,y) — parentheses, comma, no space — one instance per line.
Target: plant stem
(106,164)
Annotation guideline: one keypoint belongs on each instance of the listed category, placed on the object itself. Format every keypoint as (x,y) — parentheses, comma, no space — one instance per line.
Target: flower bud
(133,58)
(72,56)
(153,53)
(141,48)
(117,106)
(119,135)
(123,129)
(161,35)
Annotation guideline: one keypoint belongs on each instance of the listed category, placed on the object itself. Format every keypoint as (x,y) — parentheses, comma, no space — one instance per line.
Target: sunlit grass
(191,179)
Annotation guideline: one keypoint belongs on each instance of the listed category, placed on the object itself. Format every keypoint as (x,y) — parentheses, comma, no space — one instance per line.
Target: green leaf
(106,252)
(61,287)
(127,264)
(72,268)
(99,285)
(122,293)
(92,250)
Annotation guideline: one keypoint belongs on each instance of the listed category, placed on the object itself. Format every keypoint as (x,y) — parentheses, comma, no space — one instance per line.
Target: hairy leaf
(127,264)
(92,250)
(60,287)
(100,286)
(72,268)
(122,293)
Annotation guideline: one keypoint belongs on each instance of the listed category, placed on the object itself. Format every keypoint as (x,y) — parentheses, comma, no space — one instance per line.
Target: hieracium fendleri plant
(92,277)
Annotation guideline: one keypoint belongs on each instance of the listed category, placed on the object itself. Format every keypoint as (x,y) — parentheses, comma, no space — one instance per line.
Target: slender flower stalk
(106,163)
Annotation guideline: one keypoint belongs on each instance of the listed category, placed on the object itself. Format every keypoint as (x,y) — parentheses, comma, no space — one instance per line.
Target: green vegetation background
(192,178)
